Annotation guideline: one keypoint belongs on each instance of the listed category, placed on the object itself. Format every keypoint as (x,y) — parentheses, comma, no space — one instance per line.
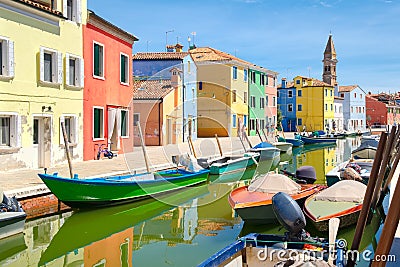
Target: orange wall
(105,92)
(151,115)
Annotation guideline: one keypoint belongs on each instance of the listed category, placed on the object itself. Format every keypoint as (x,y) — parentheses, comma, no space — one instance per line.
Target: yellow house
(41,81)
(222,92)
(315,104)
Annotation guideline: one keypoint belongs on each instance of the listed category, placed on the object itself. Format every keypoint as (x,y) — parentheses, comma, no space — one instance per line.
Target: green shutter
(123,72)
(96,60)
(97,120)
(123,123)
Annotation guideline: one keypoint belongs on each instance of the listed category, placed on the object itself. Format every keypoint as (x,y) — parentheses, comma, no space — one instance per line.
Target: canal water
(179,229)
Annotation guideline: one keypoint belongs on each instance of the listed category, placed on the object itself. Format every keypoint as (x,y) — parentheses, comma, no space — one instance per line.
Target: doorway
(42,140)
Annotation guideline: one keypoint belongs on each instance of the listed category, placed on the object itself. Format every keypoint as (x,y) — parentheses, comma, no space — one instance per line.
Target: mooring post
(66,144)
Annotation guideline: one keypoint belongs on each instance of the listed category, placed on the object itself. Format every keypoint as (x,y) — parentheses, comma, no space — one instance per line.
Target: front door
(42,139)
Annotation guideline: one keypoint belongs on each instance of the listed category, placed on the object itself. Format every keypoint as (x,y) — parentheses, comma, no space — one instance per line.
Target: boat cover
(274,183)
(263,145)
(343,191)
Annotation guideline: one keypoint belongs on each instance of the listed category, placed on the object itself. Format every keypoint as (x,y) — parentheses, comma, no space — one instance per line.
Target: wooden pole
(259,135)
(265,136)
(247,139)
(219,145)
(143,147)
(367,200)
(391,173)
(389,229)
(66,144)
(382,171)
(191,144)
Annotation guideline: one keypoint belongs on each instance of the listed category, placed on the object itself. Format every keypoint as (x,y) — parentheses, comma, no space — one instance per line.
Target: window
(290,107)
(72,10)
(262,124)
(266,101)
(234,120)
(326,92)
(262,79)
(360,96)
(74,70)
(297,81)
(245,97)
(35,131)
(71,128)
(278,93)
(245,75)
(326,106)
(234,69)
(342,95)
(6,57)
(290,93)
(252,124)
(98,60)
(51,70)
(299,121)
(351,108)
(252,101)
(245,120)
(331,107)
(188,66)
(124,123)
(200,85)
(273,101)
(253,77)
(262,102)
(98,123)
(300,93)
(233,95)
(266,79)
(355,95)
(331,92)
(136,118)
(124,71)
(300,107)
(10,127)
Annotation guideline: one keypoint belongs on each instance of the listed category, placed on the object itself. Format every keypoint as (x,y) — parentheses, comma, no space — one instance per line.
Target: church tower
(329,71)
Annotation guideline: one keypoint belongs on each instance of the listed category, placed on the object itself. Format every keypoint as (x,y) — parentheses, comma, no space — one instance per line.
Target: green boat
(92,226)
(111,190)
(227,164)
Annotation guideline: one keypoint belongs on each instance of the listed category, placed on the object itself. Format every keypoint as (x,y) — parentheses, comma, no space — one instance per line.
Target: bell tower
(329,62)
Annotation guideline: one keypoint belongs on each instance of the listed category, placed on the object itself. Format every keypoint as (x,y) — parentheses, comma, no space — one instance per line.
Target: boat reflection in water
(11,246)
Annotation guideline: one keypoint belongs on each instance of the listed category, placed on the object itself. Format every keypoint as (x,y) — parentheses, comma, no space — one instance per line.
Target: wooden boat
(350,133)
(266,150)
(317,140)
(253,203)
(110,190)
(366,150)
(342,200)
(336,174)
(295,142)
(285,147)
(12,217)
(226,164)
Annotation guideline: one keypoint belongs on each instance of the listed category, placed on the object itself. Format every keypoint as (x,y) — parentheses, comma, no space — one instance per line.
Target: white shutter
(61,132)
(41,62)
(76,129)
(65,8)
(77,76)
(78,11)
(59,68)
(18,131)
(10,58)
(82,72)
(67,69)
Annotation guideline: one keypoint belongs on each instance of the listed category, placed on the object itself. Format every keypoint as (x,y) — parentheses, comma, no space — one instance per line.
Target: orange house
(107,105)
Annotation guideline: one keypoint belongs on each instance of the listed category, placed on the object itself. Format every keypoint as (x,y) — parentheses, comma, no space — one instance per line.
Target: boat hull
(285,147)
(317,140)
(266,153)
(11,223)
(295,142)
(81,193)
(364,153)
(234,165)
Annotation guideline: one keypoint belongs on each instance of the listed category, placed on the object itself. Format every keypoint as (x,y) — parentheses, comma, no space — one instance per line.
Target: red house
(377,111)
(107,96)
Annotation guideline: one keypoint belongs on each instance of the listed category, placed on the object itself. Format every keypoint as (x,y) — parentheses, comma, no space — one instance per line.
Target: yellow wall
(25,94)
(175,114)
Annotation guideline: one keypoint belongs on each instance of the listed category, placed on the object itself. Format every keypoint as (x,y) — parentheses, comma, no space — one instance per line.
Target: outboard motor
(306,173)
(10,204)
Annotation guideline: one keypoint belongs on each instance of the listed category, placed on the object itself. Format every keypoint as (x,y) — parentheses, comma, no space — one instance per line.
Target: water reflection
(179,229)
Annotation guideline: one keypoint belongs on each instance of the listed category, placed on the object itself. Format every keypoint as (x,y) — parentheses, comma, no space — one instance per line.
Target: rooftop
(151,89)
(347,88)
(159,55)
(41,6)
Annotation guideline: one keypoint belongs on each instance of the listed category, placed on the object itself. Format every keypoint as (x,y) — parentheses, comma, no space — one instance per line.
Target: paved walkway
(25,182)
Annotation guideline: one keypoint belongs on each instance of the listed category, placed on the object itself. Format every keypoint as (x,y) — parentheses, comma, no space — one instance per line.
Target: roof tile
(159,55)
(40,6)
(151,89)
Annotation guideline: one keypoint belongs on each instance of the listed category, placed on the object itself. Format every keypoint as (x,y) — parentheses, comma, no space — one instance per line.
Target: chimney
(170,48)
(178,47)
(283,83)
(175,77)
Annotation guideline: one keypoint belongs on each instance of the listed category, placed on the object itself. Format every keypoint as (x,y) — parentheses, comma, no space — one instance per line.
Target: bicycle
(106,153)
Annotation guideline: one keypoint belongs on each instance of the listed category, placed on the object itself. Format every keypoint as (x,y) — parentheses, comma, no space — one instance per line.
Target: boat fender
(288,213)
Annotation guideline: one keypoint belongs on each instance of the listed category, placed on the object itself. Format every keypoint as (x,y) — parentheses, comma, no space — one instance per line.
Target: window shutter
(10,58)
(76,129)
(82,72)
(79,11)
(60,68)
(18,131)
(65,8)
(67,69)
(41,62)
(61,132)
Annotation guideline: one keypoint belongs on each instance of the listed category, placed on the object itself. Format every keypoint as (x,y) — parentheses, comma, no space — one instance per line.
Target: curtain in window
(112,114)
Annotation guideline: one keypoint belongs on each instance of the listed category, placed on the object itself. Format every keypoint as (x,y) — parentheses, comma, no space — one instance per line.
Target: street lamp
(166,38)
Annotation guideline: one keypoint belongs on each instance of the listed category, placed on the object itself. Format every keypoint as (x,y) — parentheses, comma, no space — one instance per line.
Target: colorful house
(271,97)
(353,107)
(157,110)
(338,114)
(222,92)
(287,105)
(41,82)
(382,109)
(108,116)
(158,66)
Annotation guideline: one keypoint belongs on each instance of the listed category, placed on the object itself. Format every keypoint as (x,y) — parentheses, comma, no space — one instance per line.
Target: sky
(288,37)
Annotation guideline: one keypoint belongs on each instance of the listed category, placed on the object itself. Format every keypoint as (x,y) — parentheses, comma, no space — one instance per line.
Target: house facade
(338,114)
(41,84)
(108,109)
(271,100)
(287,104)
(158,66)
(222,92)
(354,107)
(255,101)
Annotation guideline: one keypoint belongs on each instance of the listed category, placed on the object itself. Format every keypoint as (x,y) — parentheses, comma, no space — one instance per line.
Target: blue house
(287,105)
(354,107)
(160,66)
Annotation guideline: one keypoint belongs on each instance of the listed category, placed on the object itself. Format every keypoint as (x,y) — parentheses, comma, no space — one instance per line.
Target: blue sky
(288,37)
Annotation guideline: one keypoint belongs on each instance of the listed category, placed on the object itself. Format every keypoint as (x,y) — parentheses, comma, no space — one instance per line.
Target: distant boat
(317,140)
(12,216)
(342,200)
(226,164)
(367,149)
(111,190)
(336,174)
(295,142)
(267,151)
(253,203)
